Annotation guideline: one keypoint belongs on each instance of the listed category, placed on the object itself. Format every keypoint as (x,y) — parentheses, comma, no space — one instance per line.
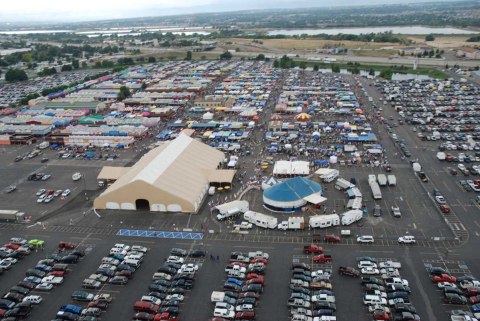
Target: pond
(405,30)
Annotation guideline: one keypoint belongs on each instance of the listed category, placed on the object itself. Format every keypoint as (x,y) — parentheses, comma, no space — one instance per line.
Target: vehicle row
(244,284)
(311,292)
(168,289)
(46,196)
(460,290)
(387,297)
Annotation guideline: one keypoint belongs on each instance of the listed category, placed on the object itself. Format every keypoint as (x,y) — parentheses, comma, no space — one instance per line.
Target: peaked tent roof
(176,167)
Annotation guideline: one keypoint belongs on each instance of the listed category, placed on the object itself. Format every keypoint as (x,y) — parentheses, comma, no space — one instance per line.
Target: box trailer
(323,221)
(392,180)
(11,215)
(353,193)
(351,216)
(230,209)
(376,193)
(382,179)
(372,178)
(355,204)
(261,220)
(293,223)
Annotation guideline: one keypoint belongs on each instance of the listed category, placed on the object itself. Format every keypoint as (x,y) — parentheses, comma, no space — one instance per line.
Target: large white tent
(284,167)
(173,177)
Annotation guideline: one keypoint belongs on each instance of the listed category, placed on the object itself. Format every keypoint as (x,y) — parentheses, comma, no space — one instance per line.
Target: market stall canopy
(303,117)
(207,116)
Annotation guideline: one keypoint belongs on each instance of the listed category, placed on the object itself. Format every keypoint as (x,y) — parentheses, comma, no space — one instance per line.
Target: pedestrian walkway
(161,234)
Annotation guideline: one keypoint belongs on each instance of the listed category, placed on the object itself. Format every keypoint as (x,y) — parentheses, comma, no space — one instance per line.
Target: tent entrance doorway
(142,204)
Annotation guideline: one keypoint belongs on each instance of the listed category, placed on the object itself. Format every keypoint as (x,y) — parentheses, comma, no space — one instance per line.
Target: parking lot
(348,291)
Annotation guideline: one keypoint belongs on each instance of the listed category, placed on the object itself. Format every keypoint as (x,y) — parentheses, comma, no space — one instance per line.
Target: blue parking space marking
(161,234)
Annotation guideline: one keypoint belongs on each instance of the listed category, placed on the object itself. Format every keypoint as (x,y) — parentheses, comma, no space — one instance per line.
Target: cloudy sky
(61,10)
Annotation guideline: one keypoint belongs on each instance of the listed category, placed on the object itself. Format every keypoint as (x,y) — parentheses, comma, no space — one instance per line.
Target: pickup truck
(239,257)
(71,308)
(312,248)
(243,226)
(322,258)
(390,264)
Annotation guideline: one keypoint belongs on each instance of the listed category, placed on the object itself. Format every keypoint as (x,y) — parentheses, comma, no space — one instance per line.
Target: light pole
(85,186)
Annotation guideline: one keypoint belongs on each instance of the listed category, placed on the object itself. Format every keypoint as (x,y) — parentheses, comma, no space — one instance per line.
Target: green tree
(226,55)
(335,68)
(13,75)
(429,37)
(67,68)
(152,59)
(302,65)
(276,64)
(315,67)
(75,64)
(189,55)
(260,57)
(84,64)
(371,72)
(124,93)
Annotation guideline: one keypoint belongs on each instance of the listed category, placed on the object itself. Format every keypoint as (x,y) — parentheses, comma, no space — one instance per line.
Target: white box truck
(382,180)
(372,178)
(323,221)
(260,219)
(217,296)
(342,184)
(351,217)
(230,209)
(392,180)
(293,223)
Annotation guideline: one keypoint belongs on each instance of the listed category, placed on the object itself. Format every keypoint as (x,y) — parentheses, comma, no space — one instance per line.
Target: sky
(87,10)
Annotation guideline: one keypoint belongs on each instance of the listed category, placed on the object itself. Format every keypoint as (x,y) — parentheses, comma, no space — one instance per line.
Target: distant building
(411,51)
(333,51)
(469,53)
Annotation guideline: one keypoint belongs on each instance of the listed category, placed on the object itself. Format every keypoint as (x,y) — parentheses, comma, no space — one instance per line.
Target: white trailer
(293,223)
(351,217)
(260,219)
(376,193)
(382,180)
(323,221)
(44,145)
(441,156)
(342,184)
(392,180)
(327,174)
(230,209)
(372,178)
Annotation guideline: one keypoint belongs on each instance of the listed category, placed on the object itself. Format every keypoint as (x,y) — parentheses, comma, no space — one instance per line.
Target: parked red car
(444,208)
(332,238)
(444,278)
(12,246)
(66,245)
(381,315)
(259,260)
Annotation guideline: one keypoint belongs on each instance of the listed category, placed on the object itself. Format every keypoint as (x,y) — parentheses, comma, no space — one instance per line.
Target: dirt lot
(300,44)
(374,53)
(442,42)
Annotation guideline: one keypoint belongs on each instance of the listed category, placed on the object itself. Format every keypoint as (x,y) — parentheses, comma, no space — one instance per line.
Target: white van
(374,299)
(211,190)
(224,305)
(136,257)
(161,276)
(132,262)
(366,264)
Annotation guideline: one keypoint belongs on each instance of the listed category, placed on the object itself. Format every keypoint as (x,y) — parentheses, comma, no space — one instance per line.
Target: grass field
(444,41)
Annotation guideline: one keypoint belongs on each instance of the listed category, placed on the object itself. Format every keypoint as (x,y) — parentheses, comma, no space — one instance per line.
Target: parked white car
(365,239)
(407,239)
(53,279)
(370,271)
(34,299)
